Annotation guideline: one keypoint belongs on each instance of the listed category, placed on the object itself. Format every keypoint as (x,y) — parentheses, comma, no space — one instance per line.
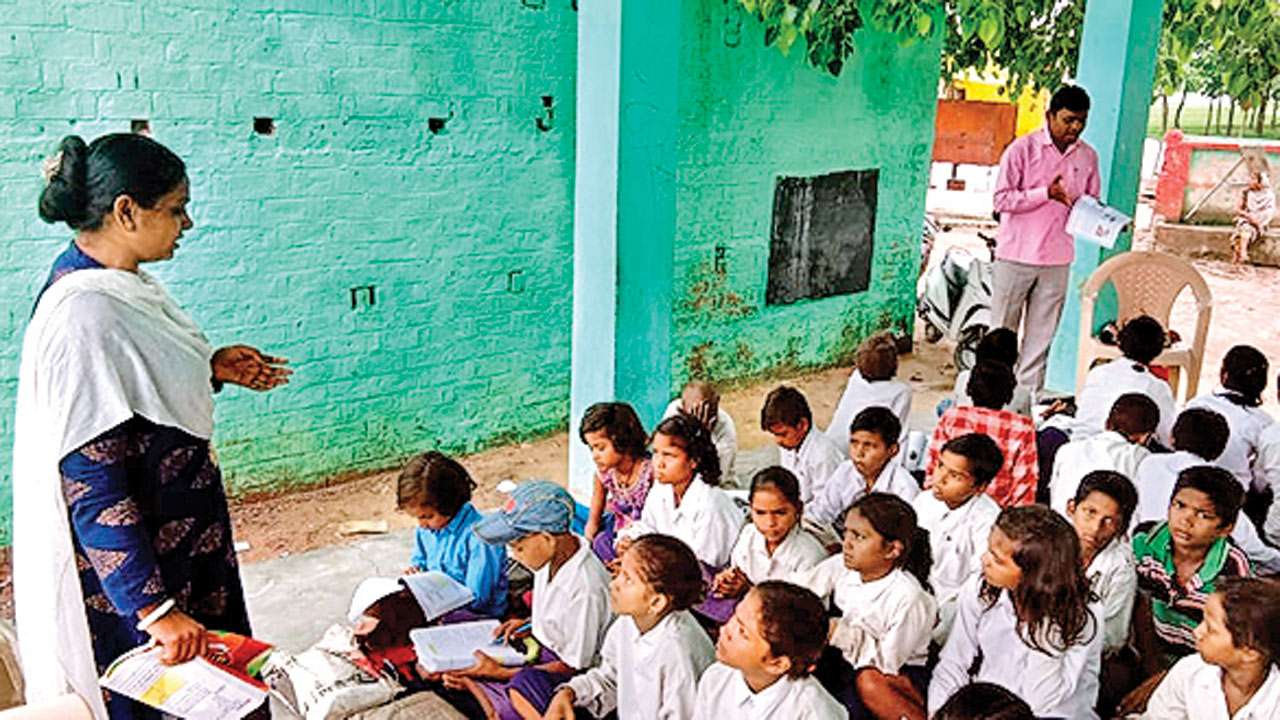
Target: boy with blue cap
(571,611)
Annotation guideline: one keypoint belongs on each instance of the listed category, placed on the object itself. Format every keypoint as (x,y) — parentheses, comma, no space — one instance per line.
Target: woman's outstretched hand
(245,366)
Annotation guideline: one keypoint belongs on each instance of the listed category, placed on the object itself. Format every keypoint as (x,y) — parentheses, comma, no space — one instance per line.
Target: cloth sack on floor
(323,683)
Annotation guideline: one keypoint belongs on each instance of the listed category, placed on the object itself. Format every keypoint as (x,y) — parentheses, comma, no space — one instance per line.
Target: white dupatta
(103,346)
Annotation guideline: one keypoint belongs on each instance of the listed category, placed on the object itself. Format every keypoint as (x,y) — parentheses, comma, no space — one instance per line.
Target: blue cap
(535,506)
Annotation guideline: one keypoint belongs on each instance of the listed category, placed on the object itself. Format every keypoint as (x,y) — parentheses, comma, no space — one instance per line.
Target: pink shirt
(1033,227)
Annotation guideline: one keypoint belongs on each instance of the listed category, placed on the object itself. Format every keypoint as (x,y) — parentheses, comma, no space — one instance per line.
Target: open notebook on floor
(453,647)
(436,592)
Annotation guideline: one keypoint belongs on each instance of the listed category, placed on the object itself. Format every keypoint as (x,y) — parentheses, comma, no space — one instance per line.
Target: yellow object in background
(990,88)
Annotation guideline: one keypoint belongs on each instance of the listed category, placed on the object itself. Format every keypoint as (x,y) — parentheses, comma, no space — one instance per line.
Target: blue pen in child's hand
(523,628)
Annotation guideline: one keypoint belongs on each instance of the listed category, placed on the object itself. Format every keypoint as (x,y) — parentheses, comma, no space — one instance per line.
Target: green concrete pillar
(1117,66)
(624,212)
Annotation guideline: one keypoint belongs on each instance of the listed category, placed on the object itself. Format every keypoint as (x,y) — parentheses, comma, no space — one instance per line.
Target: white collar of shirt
(1206,687)
(763,703)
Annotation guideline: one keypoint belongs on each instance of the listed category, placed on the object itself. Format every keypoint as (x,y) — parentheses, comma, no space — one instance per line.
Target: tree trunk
(1217,116)
(1177,114)
(1259,122)
(1164,114)
(1231,115)
(1275,113)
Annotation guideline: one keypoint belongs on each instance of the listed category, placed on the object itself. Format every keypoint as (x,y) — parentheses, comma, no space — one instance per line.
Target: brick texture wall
(465,235)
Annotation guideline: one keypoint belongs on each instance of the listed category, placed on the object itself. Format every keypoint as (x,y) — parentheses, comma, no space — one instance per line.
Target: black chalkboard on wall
(821,244)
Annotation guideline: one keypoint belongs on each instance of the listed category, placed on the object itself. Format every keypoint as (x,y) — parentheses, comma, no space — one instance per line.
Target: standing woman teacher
(121,528)
(1041,176)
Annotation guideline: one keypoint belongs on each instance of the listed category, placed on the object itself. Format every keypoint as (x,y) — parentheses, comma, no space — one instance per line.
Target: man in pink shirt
(1041,175)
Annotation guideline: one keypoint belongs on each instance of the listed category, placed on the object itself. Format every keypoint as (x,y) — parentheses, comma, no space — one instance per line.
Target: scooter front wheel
(966,354)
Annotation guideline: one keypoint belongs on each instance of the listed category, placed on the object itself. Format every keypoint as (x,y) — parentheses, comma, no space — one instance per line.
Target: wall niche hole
(264,126)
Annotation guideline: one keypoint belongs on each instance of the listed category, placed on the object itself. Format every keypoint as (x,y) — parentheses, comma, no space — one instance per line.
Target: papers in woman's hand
(224,688)
(1099,224)
(452,647)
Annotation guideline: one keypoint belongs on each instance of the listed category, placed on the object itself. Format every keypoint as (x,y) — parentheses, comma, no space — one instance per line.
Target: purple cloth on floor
(714,608)
(603,542)
(535,685)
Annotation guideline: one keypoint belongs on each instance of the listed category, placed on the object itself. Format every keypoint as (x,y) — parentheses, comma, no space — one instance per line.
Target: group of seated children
(852,588)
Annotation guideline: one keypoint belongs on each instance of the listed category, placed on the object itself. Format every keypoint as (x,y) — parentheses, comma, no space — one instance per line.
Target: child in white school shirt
(872,383)
(1266,469)
(655,651)
(809,454)
(1121,448)
(1029,623)
(1235,673)
(701,401)
(1141,341)
(873,448)
(880,645)
(1239,400)
(1199,436)
(959,515)
(774,545)
(765,656)
(685,502)
(1100,513)
(570,603)
(999,344)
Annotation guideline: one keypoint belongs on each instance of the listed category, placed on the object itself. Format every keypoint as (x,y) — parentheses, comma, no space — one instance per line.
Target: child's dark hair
(1000,344)
(1142,339)
(1244,375)
(1252,607)
(619,422)
(1069,97)
(991,384)
(895,520)
(1202,432)
(984,456)
(781,480)
(434,480)
(877,357)
(1133,414)
(793,621)
(1115,486)
(1220,485)
(984,701)
(670,568)
(878,420)
(784,405)
(89,178)
(693,438)
(1052,600)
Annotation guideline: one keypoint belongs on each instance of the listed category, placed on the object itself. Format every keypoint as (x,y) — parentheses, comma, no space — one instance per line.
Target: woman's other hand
(247,367)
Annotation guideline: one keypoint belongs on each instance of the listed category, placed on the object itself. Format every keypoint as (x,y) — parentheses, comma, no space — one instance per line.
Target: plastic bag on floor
(323,683)
(421,706)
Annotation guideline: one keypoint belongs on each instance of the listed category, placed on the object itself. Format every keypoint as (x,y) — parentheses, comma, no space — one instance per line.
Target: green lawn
(1194,118)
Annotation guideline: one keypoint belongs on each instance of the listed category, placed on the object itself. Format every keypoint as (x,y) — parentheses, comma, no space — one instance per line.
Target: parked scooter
(955,300)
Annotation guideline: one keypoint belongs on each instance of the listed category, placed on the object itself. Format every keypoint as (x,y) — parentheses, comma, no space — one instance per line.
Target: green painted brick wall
(351,190)
(749,115)
(466,235)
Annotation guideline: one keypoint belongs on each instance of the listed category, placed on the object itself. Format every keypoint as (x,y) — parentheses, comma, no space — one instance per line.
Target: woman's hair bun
(66,194)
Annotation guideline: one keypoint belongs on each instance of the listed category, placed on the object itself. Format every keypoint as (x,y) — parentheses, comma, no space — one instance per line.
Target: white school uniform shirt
(724,436)
(797,552)
(653,676)
(846,485)
(571,611)
(707,520)
(1113,575)
(1247,425)
(813,462)
(1106,383)
(723,694)
(958,538)
(1107,450)
(1156,477)
(860,394)
(1055,684)
(887,623)
(1192,690)
(1267,470)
